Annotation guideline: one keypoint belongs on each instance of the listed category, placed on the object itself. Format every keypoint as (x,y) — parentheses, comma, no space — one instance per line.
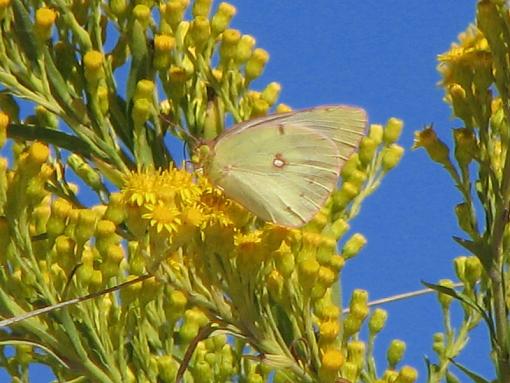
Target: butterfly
(283,167)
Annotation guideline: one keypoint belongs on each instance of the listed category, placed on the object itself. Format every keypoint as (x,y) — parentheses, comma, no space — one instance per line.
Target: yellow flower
(163,217)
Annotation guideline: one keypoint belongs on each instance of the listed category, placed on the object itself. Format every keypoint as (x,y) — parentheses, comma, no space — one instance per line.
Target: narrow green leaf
(23,26)
(50,136)
(471,374)
(58,83)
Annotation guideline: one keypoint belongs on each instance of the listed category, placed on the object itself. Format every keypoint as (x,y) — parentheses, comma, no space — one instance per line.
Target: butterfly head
(202,156)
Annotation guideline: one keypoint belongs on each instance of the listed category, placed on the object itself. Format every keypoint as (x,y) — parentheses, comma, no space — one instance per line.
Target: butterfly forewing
(343,124)
(282,172)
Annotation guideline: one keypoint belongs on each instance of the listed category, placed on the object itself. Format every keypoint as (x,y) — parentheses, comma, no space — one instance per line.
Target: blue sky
(380,55)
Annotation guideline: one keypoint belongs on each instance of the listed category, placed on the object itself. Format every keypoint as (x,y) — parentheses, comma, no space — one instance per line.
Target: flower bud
(256,63)
(115,211)
(377,321)
(331,362)
(438,344)
(201,8)
(85,226)
(352,164)
(85,171)
(367,150)
(460,264)
(4,123)
(283,108)
(356,352)
(407,374)
(391,156)
(473,270)
(395,352)
(353,245)
(376,133)
(199,31)
(343,196)
(44,20)
(271,93)
(228,47)
(163,45)
(308,270)
(222,17)
(142,110)
(173,13)
(118,7)
(392,131)
(352,325)
(328,331)
(445,299)
(244,49)
(142,14)
(93,63)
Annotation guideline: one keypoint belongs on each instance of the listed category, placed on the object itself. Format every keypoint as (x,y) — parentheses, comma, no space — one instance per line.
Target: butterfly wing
(344,125)
(282,172)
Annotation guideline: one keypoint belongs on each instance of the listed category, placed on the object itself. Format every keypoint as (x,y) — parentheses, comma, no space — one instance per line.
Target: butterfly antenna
(42,310)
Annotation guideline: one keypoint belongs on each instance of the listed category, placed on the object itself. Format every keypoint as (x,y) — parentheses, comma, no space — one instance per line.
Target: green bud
(142,14)
(395,352)
(352,164)
(407,374)
(356,352)
(200,30)
(222,17)
(202,372)
(353,245)
(391,156)
(228,47)
(256,64)
(244,49)
(377,321)
(85,171)
(201,8)
(444,299)
(460,265)
(438,343)
(392,131)
(473,270)
(343,196)
(271,93)
(352,325)
(367,150)
(376,133)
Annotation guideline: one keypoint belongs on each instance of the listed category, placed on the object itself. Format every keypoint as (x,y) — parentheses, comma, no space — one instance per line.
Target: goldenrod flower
(163,217)
(4,123)
(331,362)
